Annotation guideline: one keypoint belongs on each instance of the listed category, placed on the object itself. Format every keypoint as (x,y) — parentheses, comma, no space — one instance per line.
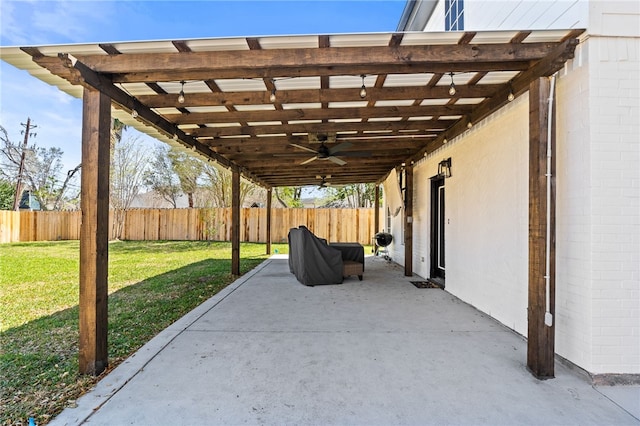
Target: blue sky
(39,22)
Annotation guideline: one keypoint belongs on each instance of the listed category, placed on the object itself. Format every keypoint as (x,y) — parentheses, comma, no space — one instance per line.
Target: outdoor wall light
(444,168)
(181,94)
(452,87)
(272,96)
(363,89)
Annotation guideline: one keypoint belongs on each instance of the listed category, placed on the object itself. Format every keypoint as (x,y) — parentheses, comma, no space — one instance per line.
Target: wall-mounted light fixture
(444,168)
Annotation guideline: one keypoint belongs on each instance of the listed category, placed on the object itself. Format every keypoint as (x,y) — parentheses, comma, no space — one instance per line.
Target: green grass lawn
(151,285)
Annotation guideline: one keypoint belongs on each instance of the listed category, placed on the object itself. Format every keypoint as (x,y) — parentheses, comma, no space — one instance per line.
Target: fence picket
(195,224)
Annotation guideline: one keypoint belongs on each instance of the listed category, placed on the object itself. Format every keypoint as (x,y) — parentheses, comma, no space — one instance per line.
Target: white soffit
(217,108)
(137,89)
(351,81)
(261,107)
(302,106)
(359,40)
(297,83)
(241,85)
(420,38)
(189,87)
(218,44)
(288,42)
(401,80)
(493,37)
(145,47)
(403,102)
(545,36)
(497,77)
(354,104)
(469,101)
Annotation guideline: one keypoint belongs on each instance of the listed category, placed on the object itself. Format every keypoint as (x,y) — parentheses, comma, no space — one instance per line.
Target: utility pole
(18,195)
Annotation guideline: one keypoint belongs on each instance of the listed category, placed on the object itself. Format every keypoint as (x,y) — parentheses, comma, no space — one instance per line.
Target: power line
(27,133)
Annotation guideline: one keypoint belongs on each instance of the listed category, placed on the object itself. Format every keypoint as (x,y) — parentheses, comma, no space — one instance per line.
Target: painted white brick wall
(486,215)
(598,185)
(574,312)
(614,81)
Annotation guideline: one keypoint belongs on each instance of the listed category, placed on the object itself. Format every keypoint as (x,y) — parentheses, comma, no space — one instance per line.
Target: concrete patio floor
(268,350)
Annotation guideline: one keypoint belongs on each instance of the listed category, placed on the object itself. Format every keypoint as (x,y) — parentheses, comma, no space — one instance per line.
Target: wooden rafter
(228,114)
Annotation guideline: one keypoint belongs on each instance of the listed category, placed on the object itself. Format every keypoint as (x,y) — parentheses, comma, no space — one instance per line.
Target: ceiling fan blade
(337,161)
(309,160)
(339,147)
(303,147)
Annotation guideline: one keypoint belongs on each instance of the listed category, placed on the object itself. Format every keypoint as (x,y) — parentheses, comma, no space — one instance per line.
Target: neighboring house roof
(28,201)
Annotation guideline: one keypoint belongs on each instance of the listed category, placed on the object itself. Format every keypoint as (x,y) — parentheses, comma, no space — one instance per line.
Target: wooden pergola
(291,110)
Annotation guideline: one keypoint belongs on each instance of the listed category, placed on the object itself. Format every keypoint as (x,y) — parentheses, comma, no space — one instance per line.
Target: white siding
(510,14)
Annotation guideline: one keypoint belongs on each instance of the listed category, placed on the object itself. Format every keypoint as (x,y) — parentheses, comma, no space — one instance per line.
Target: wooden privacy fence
(336,225)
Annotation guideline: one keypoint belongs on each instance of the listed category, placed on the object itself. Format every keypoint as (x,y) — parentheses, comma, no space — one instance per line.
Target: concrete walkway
(268,350)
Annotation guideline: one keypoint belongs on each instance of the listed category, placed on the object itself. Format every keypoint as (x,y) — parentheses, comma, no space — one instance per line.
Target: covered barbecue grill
(380,241)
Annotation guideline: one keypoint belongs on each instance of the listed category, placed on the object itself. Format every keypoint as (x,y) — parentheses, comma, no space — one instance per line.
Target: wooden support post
(408,222)
(376,213)
(269,195)
(540,344)
(94,232)
(235,221)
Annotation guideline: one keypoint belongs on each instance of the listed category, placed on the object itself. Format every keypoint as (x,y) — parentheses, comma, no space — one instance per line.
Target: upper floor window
(454,15)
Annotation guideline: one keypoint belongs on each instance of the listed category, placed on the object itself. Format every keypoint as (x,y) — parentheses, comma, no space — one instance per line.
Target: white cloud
(54,22)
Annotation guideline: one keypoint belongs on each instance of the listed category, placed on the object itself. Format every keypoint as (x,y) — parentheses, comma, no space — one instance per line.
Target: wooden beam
(301,58)
(269,196)
(281,144)
(408,222)
(235,221)
(321,71)
(541,335)
(94,232)
(316,96)
(393,126)
(318,114)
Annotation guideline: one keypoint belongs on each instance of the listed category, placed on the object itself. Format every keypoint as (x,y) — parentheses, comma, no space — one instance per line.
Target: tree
(129,163)
(189,171)
(41,171)
(161,178)
(289,196)
(354,195)
(7,193)
(218,186)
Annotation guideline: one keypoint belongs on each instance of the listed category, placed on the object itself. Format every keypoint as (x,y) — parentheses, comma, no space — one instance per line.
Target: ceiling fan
(329,153)
(325,153)
(323,181)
